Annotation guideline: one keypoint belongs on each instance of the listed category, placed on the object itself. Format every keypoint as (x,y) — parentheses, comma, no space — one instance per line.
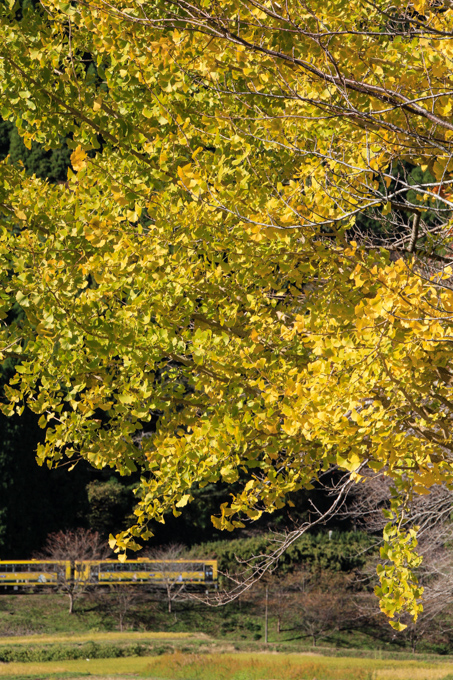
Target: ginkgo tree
(202,274)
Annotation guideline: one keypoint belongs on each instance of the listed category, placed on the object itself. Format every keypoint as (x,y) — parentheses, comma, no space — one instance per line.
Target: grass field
(125,636)
(44,618)
(291,667)
(238,666)
(182,655)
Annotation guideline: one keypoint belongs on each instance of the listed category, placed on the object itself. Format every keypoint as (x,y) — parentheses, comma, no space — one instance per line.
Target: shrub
(336,551)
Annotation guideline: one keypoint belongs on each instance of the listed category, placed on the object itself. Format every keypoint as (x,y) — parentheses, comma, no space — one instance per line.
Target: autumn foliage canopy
(250,259)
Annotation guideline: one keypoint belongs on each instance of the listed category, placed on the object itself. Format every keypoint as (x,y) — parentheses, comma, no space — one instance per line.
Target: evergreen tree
(51,164)
(5,134)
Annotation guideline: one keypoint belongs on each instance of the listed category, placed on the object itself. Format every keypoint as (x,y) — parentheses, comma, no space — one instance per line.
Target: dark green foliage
(35,501)
(51,165)
(194,525)
(63,652)
(383,229)
(22,7)
(27,5)
(6,129)
(343,551)
(109,504)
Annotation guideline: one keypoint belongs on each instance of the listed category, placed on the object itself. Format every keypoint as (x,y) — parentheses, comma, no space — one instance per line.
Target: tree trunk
(71,587)
(313,637)
(278,624)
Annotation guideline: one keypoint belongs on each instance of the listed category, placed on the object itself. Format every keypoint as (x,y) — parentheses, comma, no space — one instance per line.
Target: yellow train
(37,573)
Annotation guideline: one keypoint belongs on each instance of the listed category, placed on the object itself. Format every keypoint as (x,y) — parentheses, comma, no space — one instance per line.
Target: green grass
(44,616)
(47,614)
(42,619)
(38,649)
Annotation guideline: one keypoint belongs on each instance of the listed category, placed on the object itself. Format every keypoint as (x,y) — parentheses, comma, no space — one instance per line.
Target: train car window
(22,567)
(116,567)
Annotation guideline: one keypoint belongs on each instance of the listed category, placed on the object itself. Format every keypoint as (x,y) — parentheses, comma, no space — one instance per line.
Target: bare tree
(431,622)
(432,514)
(318,604)
(263,601)
(124,598)
(277,602)
(72,548)
(425,511)
(170,571)
(434,623)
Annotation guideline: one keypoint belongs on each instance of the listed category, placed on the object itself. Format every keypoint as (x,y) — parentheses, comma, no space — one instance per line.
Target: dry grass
(289,667)
(127,636)
(433,673)
(97,667)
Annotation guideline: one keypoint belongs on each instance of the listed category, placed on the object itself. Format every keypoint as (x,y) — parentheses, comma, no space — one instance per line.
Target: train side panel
(31,572)
(104,572)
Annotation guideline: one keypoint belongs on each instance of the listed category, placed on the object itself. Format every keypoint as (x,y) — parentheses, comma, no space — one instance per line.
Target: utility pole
(266,612)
